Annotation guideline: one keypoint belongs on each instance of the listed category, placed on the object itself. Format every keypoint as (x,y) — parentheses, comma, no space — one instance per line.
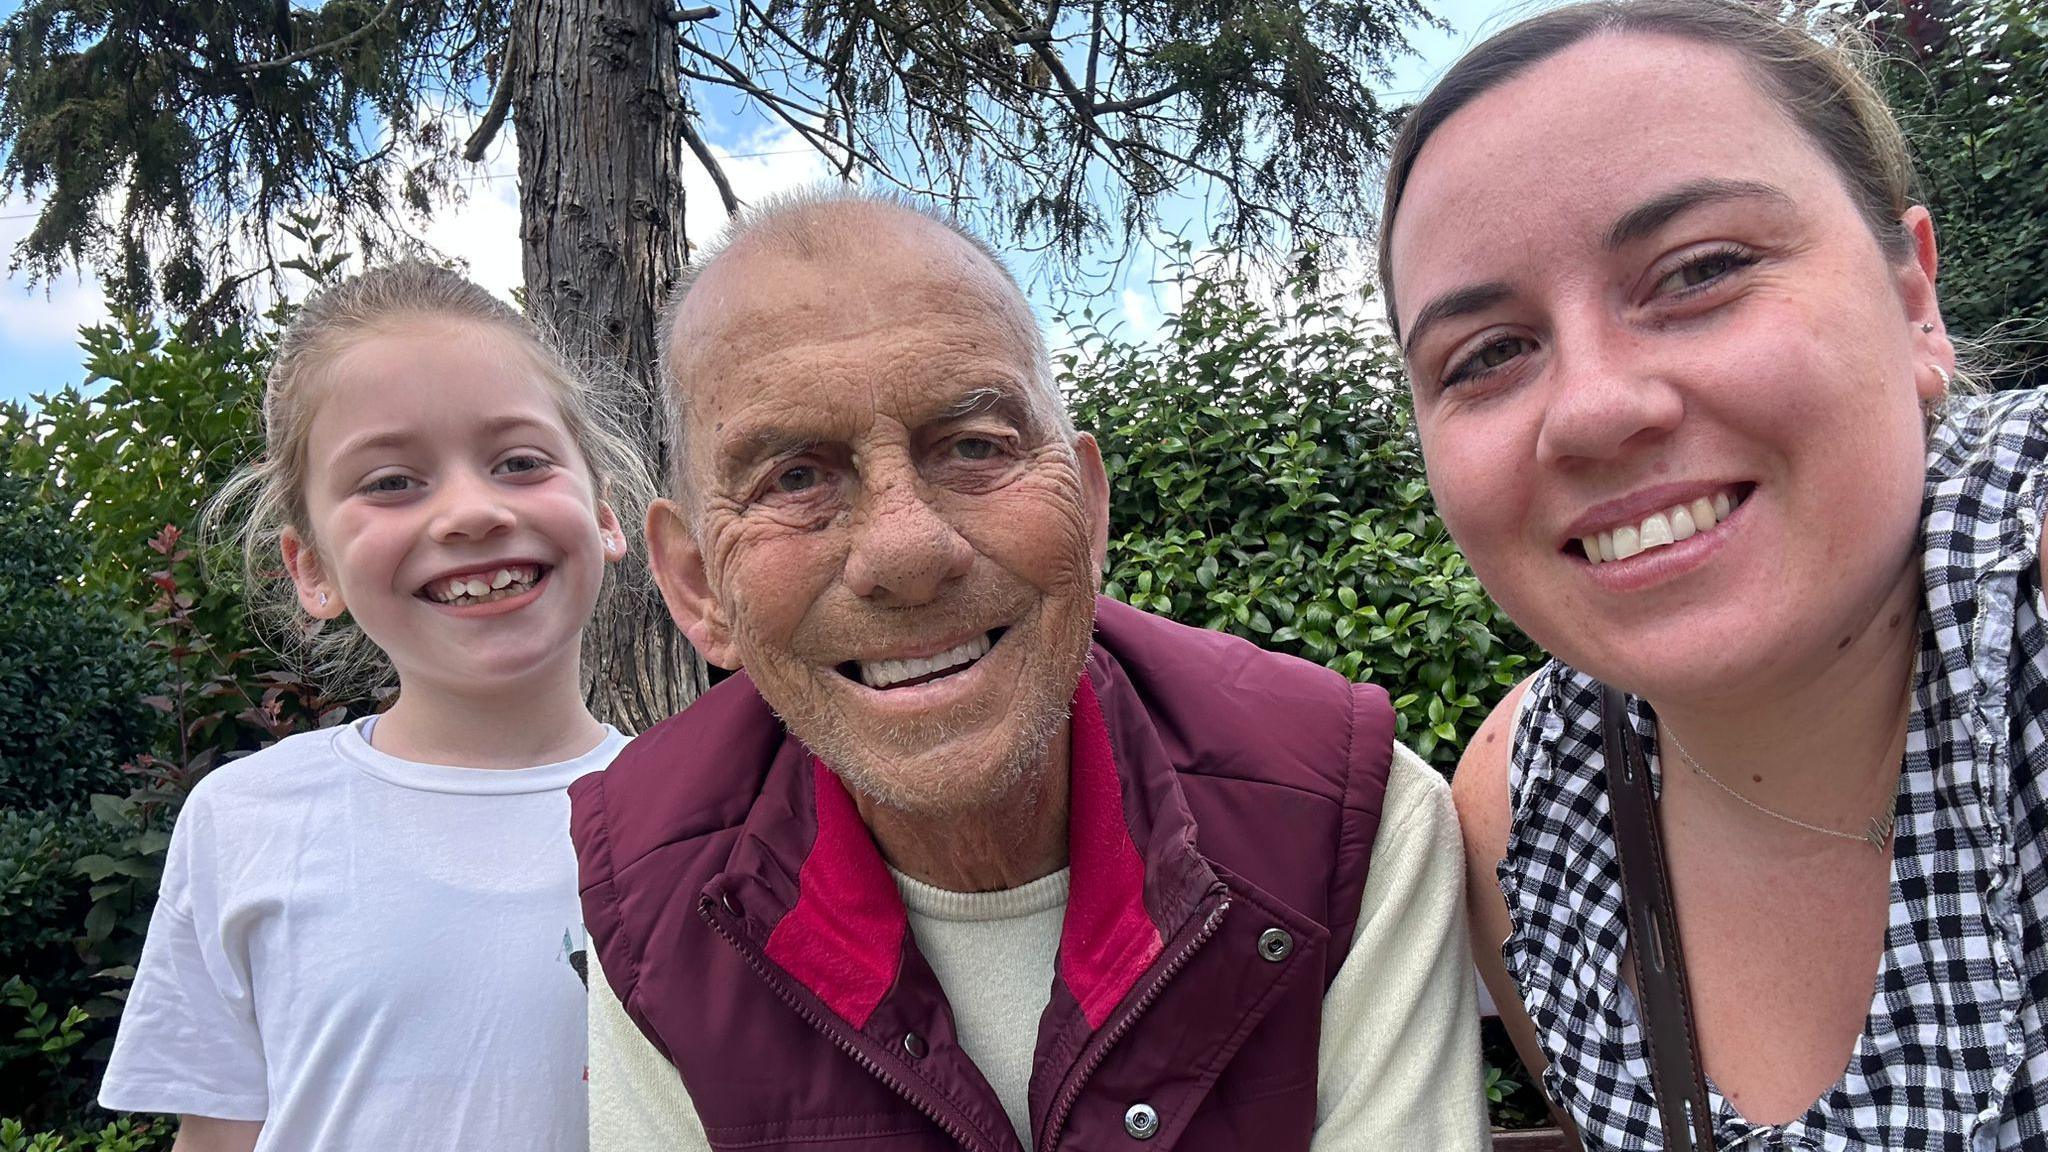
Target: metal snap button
(1275,944)
(730,903)
(1141,1122)
(915,1045)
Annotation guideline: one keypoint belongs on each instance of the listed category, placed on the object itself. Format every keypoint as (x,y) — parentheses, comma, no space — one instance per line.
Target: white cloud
(44,316)
(757,165)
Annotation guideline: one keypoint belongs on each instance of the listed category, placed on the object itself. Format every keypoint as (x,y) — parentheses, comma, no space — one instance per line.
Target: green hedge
(72,675)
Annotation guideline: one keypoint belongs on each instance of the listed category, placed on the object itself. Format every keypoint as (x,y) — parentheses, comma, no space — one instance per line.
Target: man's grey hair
(798,221)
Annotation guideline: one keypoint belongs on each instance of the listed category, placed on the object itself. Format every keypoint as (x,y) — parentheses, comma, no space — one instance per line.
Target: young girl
(364,936)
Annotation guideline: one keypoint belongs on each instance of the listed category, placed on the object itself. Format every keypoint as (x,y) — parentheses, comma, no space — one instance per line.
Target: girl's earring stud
(1927,326)
(323,599)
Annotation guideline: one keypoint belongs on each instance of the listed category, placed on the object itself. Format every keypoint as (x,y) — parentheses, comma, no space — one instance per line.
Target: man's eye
(797,478)
(976,448)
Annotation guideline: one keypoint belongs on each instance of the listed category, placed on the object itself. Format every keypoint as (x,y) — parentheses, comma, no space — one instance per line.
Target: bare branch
(501,102)
(711,166)
(333,45)
(690,15)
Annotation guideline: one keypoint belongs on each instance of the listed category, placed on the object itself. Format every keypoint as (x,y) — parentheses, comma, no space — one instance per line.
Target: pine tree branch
(333,45)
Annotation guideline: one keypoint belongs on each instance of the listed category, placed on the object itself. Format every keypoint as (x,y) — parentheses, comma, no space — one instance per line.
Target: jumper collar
(844,930)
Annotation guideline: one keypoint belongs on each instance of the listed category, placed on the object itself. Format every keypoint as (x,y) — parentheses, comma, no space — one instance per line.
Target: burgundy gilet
(1223,808)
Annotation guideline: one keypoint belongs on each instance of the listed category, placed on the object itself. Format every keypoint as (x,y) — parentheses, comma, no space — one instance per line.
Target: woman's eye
(976,448)
(1491,355)
(1702,270)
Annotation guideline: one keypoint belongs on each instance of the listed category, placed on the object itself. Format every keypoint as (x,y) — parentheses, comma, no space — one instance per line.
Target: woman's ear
(1916,278)
(320,599)
(679,572)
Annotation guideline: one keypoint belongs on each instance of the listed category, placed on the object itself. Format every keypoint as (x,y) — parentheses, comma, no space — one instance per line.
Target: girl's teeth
(1680,522)
(492,586)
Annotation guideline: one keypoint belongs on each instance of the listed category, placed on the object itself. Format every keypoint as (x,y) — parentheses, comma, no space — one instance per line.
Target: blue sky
(38,323)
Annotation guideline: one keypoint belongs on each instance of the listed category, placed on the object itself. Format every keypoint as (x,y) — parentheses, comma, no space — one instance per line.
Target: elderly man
(966,857)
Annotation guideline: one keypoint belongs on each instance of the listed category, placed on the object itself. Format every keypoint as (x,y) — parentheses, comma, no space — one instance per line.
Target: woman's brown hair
(1816,82)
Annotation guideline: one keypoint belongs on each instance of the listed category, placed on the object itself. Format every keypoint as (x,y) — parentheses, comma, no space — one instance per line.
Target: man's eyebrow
(1644,219)
(743,451)
(1008,402)
(1459,302)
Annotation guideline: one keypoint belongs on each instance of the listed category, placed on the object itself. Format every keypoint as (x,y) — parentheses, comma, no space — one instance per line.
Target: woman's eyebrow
(1645,218)
(1458,302)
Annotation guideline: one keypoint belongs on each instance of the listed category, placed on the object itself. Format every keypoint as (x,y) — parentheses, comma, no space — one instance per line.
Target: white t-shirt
(366,953)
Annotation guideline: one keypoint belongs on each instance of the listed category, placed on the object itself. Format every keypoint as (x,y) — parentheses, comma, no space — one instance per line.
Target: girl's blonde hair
(252,511)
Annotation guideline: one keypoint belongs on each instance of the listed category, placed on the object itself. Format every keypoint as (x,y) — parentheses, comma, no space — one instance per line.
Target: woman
(1680,376)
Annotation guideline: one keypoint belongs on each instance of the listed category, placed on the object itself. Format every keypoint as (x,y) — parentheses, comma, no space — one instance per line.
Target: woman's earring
(323,599)
(1947,381)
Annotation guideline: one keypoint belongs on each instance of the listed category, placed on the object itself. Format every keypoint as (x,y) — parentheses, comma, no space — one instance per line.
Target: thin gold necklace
(1877,831)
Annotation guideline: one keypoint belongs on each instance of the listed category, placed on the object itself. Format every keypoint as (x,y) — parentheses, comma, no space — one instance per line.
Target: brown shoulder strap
(1675,1074)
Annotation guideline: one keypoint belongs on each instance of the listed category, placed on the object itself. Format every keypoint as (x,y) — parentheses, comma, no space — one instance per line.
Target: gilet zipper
(1064,1106)
(960,1136)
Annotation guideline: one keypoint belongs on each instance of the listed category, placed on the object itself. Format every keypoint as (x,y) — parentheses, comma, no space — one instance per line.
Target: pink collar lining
(844,938)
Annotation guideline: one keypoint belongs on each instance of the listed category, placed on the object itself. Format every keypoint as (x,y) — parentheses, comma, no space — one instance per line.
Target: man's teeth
(1676,523)
(484,587)
(882,673)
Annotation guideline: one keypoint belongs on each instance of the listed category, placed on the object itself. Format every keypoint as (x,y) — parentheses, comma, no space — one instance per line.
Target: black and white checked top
(1954,1054)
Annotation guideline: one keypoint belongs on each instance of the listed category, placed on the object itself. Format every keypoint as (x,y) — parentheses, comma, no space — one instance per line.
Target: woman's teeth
(483,587)
(883,673)
(1659,528)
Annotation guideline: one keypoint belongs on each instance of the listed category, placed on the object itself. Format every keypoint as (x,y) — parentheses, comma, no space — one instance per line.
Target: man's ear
(320,599)
(678,566)
(1094,496)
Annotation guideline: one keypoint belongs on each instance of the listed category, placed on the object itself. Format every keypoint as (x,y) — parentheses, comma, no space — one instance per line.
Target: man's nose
(469,508)
(904,552)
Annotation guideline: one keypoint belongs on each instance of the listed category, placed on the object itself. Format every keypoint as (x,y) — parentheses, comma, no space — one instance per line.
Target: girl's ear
(321,600)
(685,587)
(610,534)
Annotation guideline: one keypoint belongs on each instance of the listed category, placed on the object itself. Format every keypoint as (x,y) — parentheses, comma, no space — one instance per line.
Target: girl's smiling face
(451,513)
(1644,319)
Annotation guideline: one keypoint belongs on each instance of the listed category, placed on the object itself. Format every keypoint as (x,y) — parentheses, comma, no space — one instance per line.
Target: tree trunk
(597,105)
